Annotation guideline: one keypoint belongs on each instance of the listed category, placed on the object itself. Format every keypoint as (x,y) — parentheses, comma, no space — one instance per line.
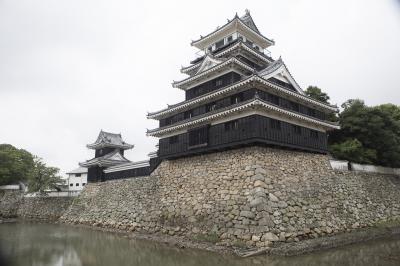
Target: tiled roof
(106,139)
(110,159)
(79,170)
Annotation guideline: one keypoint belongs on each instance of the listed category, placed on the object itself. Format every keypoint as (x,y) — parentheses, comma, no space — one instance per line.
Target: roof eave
(329,126)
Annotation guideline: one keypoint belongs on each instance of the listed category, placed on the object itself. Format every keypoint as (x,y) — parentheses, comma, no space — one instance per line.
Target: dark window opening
(275,124)
(237,98)
(209,48)
(229,39)
(231,125)
(77,184)
(311,112)
(168,121)
(77,175)
(83,184)
(249,42)
(187,115)
(218,82)
(314,134)
(273,99)
(198,136)
(297,130)
(211,107)
(173,139)
(295,106)
(219,44)
(71,185)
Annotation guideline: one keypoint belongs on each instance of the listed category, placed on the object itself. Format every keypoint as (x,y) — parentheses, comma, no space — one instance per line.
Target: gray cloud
(71,68)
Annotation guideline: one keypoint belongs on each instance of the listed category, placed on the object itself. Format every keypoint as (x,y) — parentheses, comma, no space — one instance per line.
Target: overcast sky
(71,68)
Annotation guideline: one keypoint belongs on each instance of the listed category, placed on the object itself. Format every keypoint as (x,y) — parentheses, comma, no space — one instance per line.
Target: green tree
(15,164)
(376,128)
(353,150)
(43,177)
(317,94)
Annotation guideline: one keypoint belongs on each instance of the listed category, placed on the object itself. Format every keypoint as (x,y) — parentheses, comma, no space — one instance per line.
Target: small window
(273,99)
(218,82)
(232,125)
(314,134)
(237,98)
(211,107)
(275,124)
(209,48)
(168,121)
(295,106)
(83,184)
(219,44)
(71,184)
(188,114)
(77,175)
(311,112)
(250,43)
(173,139)
(77,184)
(229,39)
(297,130)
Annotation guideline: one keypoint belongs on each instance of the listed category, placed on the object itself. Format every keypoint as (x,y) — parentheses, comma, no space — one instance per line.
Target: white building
(77,178)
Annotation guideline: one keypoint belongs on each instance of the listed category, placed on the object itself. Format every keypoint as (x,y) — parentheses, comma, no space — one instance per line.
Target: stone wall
(9,202)
(13,204)
(247,197)
(43,208)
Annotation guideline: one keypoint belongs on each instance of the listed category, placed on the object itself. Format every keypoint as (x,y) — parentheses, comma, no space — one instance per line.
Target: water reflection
(42,244)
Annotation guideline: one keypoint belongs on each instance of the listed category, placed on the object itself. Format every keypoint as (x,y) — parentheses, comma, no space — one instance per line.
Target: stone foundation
(244,197)
(9,202)
(13,204)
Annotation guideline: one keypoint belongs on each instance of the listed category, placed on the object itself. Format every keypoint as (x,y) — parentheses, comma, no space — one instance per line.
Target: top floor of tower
(242,28)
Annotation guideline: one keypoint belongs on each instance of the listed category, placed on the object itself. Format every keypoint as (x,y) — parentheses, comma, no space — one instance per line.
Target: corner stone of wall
(248,197)
(43,208)
(9,202)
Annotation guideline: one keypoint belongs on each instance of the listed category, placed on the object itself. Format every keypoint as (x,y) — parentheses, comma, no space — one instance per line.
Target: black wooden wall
(254,129)
(142,171)
(243,96)
(212,85)
(95,174)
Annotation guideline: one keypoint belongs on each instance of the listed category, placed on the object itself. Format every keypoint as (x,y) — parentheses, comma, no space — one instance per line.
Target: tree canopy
(317,94)
(368,134)
(18,165)
(43,177)
(15,164)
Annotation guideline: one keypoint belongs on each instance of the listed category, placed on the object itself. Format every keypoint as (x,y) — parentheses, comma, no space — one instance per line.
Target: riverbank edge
(277,249)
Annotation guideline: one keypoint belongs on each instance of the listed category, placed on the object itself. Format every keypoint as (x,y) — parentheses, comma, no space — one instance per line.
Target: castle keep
(237,95)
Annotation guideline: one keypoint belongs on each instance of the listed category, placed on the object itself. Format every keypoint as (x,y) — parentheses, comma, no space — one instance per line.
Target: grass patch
(389,223)
(239,244)
(210,237)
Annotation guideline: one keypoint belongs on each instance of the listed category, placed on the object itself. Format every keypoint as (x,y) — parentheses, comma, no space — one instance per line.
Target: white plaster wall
(81,180)
(339,165)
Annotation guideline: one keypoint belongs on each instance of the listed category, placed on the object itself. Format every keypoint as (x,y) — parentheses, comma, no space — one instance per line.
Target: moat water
(46,244)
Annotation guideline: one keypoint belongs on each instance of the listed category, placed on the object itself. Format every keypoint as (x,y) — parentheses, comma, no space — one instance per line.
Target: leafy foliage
(18,165)
(43,177)
(15,165)
(317,94)
(368,134)
(353,150)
